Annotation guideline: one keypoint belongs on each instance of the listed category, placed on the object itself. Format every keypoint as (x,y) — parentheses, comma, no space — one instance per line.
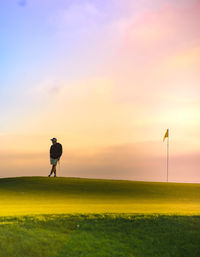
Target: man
(55,154)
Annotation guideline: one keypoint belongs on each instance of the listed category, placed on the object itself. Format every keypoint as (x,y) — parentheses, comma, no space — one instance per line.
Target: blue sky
(107,73)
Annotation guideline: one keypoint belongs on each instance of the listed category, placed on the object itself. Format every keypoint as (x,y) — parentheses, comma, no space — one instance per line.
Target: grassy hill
(71,217)
(40,195)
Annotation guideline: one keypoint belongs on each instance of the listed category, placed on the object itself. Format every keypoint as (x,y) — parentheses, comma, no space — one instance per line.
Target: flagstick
(168,155)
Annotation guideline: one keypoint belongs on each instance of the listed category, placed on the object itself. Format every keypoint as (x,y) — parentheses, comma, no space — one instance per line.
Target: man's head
(54,140)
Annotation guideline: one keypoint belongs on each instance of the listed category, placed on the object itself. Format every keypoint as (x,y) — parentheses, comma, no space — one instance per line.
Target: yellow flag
(166,135)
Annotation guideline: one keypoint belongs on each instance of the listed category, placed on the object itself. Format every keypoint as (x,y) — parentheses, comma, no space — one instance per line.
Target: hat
(54,139)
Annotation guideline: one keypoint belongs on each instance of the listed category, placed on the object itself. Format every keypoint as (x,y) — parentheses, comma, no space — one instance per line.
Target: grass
(71,217)
(100,235)
(37,195)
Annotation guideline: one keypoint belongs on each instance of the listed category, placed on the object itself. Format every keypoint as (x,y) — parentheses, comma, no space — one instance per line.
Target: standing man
(55,154)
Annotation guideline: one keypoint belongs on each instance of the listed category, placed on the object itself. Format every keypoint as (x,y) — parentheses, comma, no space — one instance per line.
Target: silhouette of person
(55,154)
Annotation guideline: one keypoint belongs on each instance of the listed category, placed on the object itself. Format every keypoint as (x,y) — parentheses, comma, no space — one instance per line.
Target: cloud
(22,3)
(77,16)
(157,58)
(158,33)
(140,161)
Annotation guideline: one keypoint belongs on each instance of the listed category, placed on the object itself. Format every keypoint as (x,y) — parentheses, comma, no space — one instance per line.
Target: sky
(107,78)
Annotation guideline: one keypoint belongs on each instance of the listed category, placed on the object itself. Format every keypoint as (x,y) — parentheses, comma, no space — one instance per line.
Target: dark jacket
(56,151)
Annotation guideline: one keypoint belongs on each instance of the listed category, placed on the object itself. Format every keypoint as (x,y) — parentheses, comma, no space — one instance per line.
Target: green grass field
(85,217)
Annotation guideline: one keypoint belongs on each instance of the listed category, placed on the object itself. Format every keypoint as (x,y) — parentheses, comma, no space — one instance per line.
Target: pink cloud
(159,33)
(140,161)
(158,59)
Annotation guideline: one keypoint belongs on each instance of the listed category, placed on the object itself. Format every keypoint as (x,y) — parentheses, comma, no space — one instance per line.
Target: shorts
(53,161)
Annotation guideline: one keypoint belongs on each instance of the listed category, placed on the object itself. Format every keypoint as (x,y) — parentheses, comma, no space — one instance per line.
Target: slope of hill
(40,195)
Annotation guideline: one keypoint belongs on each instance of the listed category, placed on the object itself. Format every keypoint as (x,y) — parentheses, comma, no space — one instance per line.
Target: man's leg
(52,170)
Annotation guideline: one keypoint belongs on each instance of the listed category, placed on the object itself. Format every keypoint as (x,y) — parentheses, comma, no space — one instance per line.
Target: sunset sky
(107,78)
